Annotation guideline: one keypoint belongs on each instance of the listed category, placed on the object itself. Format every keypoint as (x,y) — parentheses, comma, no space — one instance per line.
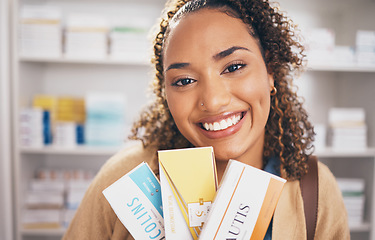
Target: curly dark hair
(289,135)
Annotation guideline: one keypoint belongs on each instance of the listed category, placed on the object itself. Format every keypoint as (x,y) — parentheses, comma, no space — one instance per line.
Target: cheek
(179,107)
(171,103)
(254,92)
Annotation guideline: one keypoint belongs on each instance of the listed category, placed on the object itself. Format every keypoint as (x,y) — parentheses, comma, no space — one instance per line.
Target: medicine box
(244,204)
(136,200)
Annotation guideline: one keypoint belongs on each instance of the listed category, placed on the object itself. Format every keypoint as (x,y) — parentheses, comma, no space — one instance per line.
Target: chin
(220,156)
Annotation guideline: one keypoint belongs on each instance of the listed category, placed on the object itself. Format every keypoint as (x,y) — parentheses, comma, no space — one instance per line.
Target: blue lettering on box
(145,219)
(149,185)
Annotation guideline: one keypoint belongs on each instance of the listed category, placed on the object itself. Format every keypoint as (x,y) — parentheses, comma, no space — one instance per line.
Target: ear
(271,80)
(269,71)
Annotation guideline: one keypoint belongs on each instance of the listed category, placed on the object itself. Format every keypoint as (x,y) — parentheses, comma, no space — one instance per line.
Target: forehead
(207,31)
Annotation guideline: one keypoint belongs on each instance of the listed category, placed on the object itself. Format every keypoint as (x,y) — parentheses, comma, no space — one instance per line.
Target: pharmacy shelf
(103,150)
(65,76)
(341,68)
(365,227)
(79,150)
(43,232)
(84,150)
(334,153)
(31,75)
(102,61)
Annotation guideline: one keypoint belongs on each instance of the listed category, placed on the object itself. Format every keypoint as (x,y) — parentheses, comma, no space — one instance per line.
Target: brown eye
(183,82)
(234,67)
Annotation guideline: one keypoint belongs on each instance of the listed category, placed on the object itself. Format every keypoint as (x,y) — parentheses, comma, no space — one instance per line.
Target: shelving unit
(6,201)
(355,165)
(329,152)
(322,86)
(106,61)
(43,232)
(101,151)
(346,86)
(351,68)
(63,76)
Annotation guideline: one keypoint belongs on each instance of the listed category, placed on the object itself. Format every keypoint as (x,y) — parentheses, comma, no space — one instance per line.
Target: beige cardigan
(95,218)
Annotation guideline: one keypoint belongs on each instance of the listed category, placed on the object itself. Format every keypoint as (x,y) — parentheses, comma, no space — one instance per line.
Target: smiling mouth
(223,124)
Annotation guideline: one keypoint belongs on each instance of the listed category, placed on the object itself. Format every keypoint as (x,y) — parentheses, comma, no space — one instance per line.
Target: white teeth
(223,124)
(216,126)
(234,119)
(229,122)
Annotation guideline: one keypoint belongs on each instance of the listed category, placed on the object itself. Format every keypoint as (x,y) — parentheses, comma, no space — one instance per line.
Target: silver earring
(202,104)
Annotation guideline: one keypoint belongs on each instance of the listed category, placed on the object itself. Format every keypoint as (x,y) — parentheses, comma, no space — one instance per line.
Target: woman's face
(211,59)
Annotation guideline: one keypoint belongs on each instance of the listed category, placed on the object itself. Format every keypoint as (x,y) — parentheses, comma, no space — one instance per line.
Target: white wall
(6,219)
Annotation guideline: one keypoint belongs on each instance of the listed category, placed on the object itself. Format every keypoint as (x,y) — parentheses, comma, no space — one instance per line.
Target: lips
(222,124)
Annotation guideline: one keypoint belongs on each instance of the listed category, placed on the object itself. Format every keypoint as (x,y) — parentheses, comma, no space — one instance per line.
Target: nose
(215,94)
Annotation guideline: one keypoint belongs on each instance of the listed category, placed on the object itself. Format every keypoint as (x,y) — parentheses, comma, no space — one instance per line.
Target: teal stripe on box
(149,185)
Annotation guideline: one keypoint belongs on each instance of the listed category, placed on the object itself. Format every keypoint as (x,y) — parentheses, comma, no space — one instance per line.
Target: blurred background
(75,73)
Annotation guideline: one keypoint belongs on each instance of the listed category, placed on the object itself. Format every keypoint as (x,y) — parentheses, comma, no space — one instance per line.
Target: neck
(253,158)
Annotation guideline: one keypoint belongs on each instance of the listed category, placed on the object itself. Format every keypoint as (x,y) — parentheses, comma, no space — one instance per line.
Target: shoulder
(330,197)
(332,215)
(328,187)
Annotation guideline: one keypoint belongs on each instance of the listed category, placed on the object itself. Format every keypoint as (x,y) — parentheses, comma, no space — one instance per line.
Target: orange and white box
(244,204)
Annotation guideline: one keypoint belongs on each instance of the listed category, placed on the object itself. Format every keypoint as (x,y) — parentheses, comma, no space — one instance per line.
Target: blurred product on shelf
(344,56)
(31,127)
(46,33)
(53,196)
(320,141)
(65,135)
(42,218)
(52,120)
(105,119)
(70,117)
(365,47)
(320,45)
(354,199)
(75,190)
(62,121)
(40,31)
(49,105)
(36,122)
(86,36)
(348,129)
(321,49)
(128,40)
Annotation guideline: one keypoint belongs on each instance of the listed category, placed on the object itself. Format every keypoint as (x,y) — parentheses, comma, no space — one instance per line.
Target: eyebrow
(177,66)
(228,52)
(216,57)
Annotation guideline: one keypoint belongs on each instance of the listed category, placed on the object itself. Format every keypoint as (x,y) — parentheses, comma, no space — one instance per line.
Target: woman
(223,79)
